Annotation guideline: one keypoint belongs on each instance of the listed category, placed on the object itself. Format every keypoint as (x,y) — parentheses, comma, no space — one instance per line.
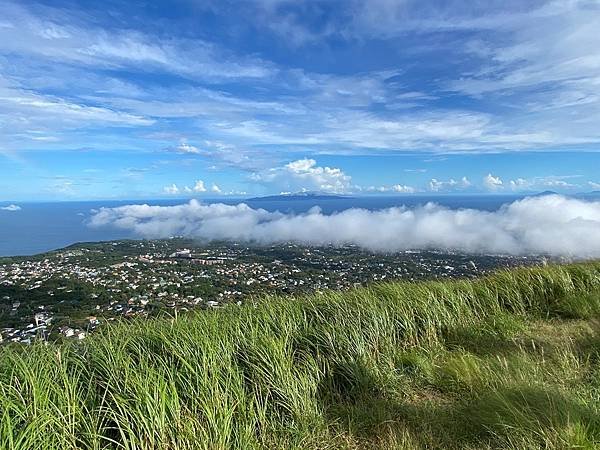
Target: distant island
(544,193)
(315,195)
(304,195)
(590,194)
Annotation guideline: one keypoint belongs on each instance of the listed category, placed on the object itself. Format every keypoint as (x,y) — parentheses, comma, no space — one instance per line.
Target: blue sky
(195,98)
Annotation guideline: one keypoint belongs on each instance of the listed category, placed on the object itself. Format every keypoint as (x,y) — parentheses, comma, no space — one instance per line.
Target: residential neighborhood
(69,293)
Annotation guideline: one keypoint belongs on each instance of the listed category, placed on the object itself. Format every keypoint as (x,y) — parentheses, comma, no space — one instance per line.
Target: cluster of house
(40,327)
(156,272)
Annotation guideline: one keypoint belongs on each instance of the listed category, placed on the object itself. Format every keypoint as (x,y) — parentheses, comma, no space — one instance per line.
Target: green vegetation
(511,360)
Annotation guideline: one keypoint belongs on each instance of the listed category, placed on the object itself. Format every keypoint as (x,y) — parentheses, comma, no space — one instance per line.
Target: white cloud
(436,185)
(550,225)
(594,185)
(23,105)
(199,186)
(520,184)
(536,183)
(61,185)
(184,147)
(172,189)
(305,174)
(397,188)
(60,35)
(403,188)
(11,208)
(492,183)
(537,61)
(558,184)
(301,166)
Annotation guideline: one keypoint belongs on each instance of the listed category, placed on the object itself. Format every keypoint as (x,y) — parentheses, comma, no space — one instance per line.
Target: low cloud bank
(11,208)
(552,225)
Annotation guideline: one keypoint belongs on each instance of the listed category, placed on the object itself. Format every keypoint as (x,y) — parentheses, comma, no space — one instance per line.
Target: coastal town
(69,293)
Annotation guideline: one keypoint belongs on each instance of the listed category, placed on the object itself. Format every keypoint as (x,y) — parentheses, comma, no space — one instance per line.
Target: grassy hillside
(506,361)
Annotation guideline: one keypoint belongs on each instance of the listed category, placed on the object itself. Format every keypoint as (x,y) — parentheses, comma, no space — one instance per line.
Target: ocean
(40,227)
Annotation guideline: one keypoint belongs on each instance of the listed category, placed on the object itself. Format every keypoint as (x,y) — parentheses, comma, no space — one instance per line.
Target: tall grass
(510,360)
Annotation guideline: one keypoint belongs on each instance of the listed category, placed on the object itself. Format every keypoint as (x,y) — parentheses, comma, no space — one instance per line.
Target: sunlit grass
(511,360)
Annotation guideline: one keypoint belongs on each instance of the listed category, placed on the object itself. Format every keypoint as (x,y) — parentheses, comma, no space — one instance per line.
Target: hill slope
(506,361)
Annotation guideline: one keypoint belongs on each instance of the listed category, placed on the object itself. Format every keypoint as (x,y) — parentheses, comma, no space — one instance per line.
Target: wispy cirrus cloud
(68,37)
(302,79)
(271,104)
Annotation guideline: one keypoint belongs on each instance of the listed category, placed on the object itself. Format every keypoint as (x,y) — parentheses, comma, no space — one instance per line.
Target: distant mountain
(590,194)
(307,195)
(542,194)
